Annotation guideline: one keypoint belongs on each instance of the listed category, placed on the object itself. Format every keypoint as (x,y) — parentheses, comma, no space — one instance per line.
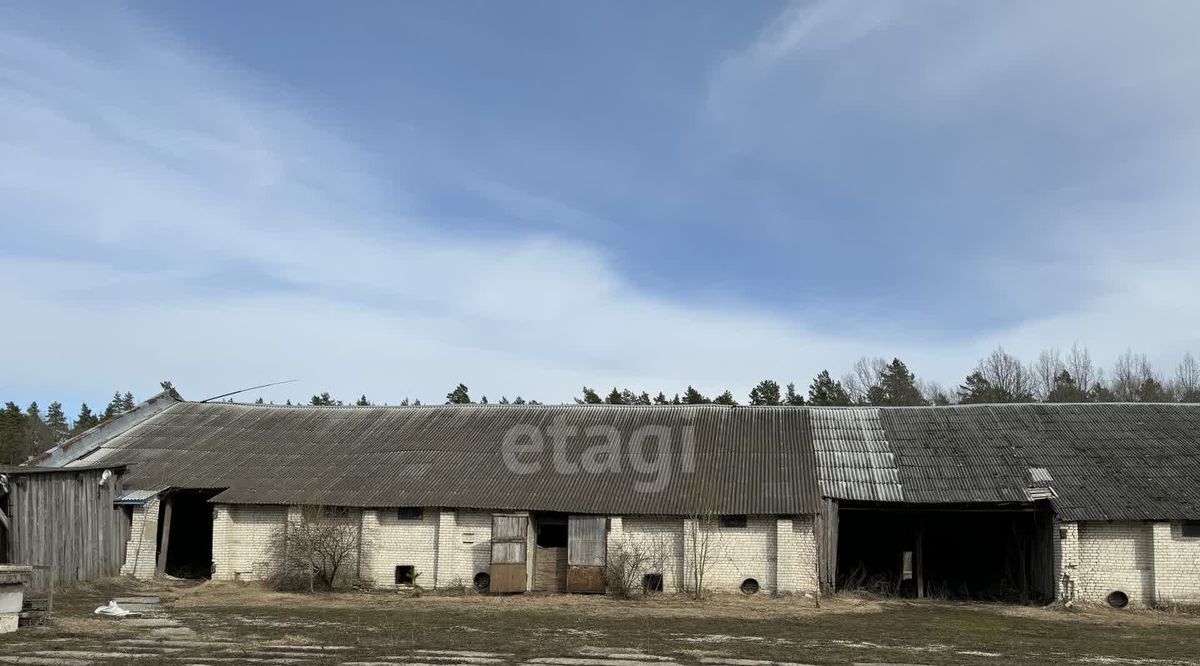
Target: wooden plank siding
(66,521)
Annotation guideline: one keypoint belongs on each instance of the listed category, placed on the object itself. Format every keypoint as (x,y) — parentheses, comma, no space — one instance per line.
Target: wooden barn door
(587,550)
(509,543)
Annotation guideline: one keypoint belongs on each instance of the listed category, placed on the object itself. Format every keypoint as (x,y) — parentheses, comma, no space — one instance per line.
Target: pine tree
(976,389)
(13,435)
(86,419)
(676,400)
(518,400)
(323,400)
(1065,389)
(38,436)
(114,407)
(725,398)
(590,397)
(791,397)
(766,393)
(259,400)
(1101,393)
(825,391)
(459,396)
(643,398)
(899,386)
(362,401)
(693,397)
(1152,390)
(127,402)
(56,421)
(615,397)
(483,400)
(503,400)
(661,399)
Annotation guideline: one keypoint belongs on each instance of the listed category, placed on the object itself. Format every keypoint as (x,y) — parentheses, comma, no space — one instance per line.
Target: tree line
(25,432)
(999,377)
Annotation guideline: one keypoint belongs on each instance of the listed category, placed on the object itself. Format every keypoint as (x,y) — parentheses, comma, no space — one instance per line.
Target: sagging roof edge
(93,438)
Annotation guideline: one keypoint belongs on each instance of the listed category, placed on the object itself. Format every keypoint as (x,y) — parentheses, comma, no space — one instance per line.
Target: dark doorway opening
(552,532)
(949,552)
(550,556)
(188,526)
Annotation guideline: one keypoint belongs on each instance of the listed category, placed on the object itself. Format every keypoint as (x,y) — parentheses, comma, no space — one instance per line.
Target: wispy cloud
(179,218)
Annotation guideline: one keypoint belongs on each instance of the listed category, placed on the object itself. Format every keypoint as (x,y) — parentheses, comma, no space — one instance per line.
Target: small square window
(652,583)
(733,521)
(410,513)
(405,574)
(1190,529)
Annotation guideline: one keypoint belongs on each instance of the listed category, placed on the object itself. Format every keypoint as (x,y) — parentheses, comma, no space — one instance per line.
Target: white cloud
(184,225)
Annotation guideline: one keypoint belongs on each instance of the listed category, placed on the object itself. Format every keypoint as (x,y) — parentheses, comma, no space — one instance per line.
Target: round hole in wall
(749,586)
(1117,599)
(482,581)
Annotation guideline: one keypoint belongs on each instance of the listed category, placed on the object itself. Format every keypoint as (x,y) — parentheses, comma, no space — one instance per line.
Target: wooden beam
(919,565)
(166,539)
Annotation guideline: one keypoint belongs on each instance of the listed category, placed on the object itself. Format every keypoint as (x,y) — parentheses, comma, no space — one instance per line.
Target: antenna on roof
(226,395)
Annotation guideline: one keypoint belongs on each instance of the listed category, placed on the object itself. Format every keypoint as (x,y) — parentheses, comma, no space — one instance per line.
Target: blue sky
(391,198)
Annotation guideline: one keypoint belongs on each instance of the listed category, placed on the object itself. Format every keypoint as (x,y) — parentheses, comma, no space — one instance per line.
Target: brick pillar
(445,550)
(690,525)
(370,546)
(221,546)
(141,551)
(786,557)
(1160,563)
(1067,548)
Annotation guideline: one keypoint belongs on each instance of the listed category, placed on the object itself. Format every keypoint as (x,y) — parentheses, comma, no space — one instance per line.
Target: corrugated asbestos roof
(1104,461)
(751,461)
(1095,461)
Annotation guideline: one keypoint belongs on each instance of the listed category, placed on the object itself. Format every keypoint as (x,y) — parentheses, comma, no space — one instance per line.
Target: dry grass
(255,595)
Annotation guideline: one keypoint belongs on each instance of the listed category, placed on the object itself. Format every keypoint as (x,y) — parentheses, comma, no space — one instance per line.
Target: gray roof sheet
(752,461)
(1105,461)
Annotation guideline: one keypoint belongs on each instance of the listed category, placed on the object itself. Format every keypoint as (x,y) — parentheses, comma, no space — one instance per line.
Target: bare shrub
(703,545)
(629,560)
(317,549)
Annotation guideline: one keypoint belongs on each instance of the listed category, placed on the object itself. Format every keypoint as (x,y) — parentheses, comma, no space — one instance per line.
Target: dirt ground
(220,623)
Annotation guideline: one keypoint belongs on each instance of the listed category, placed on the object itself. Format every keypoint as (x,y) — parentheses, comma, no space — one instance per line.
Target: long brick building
(1089,502)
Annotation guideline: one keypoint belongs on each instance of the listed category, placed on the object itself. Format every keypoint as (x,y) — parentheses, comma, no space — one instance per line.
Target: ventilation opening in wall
(749,586)
(652,583)
(405,574)
(1117,599)
(482,582)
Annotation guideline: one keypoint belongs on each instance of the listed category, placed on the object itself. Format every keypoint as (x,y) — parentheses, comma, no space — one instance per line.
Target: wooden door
(509,544)
(587,550)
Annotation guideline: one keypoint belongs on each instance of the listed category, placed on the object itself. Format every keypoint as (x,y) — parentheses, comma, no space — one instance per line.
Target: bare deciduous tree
(1187,379)
(702,543)
(863,376)
(315,549)
(1044,371)
(1131,372)
(1007,374)
(1079,364)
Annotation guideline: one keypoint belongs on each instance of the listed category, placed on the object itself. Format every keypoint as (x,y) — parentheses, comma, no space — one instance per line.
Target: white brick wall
(449,547)
(772,551)
(1176,565)
(1116,556)
(446,547)
(241,538)
(141,551)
